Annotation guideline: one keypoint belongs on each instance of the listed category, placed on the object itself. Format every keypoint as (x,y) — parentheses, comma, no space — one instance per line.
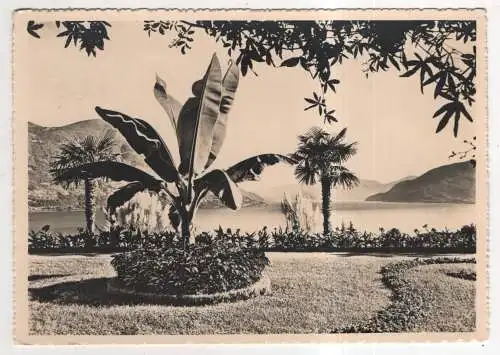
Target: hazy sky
(387,115)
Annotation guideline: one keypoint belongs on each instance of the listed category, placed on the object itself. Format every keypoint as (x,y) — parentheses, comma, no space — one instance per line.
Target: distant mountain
(249,200)
(453,183)
(358,193)
(43,145)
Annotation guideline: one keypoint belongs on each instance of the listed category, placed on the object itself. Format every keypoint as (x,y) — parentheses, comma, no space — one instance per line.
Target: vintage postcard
(250,176)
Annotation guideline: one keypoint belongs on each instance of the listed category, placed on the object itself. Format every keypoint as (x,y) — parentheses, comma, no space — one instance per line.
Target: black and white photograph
(237,175)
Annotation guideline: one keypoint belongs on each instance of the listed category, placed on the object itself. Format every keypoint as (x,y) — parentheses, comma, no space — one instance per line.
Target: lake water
(368,216)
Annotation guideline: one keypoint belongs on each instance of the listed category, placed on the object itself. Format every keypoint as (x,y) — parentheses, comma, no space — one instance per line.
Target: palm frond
(340,136)
(346,151)
(77,151)
(115,171)
(346,179)
(306,173)
(106,143)
(319,153)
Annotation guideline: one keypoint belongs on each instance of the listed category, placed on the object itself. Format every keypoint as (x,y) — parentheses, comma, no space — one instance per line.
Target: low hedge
(202,268)
(464,274)
(407,306)
(341,239)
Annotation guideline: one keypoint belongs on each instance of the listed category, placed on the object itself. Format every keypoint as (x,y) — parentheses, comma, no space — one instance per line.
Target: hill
(43,146)
(453,183)
(358,193)
(249,200)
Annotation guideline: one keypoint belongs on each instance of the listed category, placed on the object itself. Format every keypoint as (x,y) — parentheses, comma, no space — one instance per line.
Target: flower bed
(197,270)
(341,239)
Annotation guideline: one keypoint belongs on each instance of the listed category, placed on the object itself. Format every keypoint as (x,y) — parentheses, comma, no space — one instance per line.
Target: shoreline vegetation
(277,204)
(341,239)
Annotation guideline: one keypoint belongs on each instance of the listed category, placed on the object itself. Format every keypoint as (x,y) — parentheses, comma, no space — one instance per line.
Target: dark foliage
(407,306)
(427,49)
(85,35)
(464,274)
(470,149)
(346,238)
(45,239)
(204,268)
(343,238)
(32,27)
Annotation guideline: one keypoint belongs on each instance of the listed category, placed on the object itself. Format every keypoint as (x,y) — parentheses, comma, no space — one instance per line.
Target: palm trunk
(326,189)
(90,203)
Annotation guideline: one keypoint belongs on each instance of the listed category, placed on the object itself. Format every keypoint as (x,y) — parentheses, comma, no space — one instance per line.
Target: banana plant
(200,125)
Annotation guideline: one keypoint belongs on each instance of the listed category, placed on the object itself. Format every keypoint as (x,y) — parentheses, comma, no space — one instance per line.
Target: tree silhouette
(78,151)
(85,35)
(440,54)
(321,157)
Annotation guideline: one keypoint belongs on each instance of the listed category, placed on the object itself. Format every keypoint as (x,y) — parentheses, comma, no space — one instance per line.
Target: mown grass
(450,301)
(312,293)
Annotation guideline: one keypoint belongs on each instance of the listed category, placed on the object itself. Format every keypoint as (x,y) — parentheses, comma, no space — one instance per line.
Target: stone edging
(261,287)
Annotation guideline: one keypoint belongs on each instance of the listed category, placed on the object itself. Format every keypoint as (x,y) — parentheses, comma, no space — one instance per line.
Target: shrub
(464,274)
(351,238)
(207,267)
(343,238)
(45,239)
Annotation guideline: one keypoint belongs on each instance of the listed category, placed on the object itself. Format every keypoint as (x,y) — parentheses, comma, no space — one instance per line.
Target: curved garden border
(261,287)
(407,306)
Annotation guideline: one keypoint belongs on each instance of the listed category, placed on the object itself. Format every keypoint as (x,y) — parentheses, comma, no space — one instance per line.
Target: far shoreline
(340,204)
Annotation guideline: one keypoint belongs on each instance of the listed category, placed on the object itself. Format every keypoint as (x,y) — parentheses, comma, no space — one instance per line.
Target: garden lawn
(311,293)
(450,301)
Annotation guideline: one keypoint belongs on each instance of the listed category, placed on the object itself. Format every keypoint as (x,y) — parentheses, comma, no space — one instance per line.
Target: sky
(387,115)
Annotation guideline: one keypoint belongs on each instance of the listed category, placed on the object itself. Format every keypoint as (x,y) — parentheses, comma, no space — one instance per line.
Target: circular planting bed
(203,273)
(261,287)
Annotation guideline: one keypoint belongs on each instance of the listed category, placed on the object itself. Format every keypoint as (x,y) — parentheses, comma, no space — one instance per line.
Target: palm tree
(320,156)
(79,151)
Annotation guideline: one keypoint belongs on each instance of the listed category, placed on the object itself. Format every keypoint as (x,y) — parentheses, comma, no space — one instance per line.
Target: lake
(369,216)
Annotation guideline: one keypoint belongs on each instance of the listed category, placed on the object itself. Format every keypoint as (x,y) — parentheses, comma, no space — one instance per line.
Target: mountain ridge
(366,188)
(44,142)
(451,183)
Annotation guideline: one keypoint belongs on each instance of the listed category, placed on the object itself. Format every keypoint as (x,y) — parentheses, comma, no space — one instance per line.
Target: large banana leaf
(124,194)
(171,106)
(251,168)
(221,185)
(229,86)
(197,120)
(144,140)
(109,169)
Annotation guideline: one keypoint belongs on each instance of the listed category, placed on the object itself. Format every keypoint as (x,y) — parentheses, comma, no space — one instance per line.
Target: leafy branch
(318,46)
(440,52)
(85,35)
(32,27)
(469,150)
